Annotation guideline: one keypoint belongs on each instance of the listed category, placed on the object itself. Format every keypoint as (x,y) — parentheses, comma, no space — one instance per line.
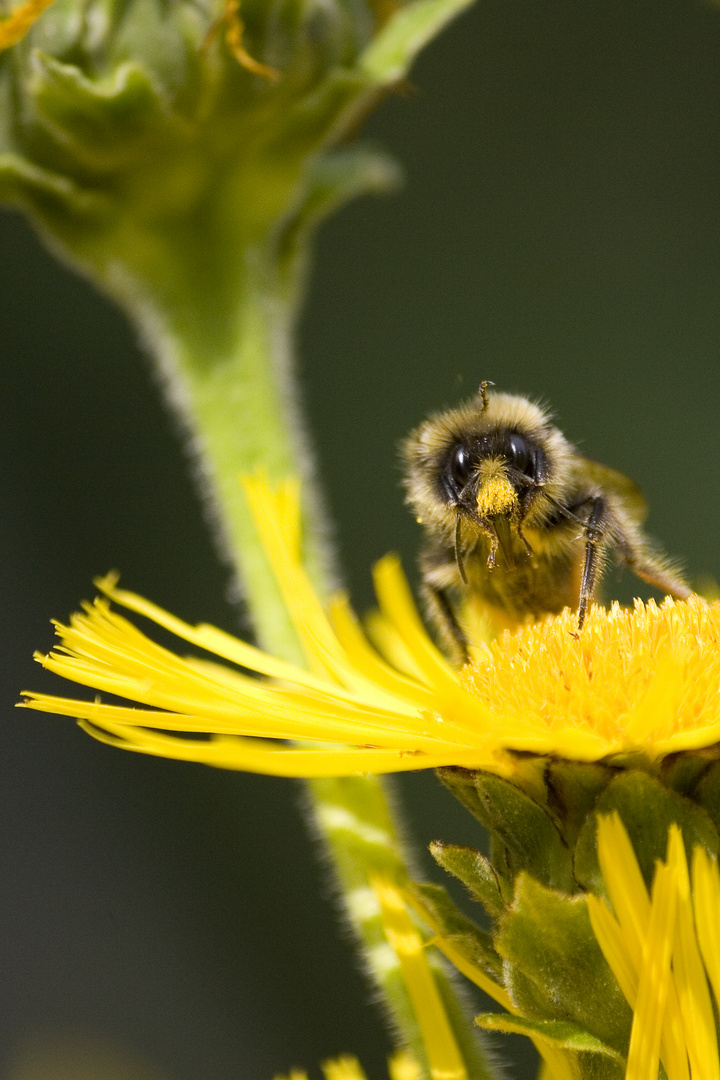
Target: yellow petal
(344,1068)
(443,1053)
(706,902)
(654,981)
(696,1011)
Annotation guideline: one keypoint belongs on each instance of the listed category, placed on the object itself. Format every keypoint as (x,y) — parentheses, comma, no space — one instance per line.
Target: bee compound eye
(460,466)
(518,454)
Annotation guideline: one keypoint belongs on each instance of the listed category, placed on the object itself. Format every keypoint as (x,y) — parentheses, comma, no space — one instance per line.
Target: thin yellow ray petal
(706,897)
(693,996)
(692,739)
(119,647)
(444,1056)
(515,733)
(459,714)
(403,1066)
(157,677)
(253,755)
(611,940)
(343,1068)
(335,701)
(110,639)
(331,656)
(98,713)
(276,514)
(556,1064)
(384,637)
(246,722)
(210,638)
(627,938)
(645,1037)
(471,971)
(319,640)
(276,717)
(624,883)
(397,604)
(367,659)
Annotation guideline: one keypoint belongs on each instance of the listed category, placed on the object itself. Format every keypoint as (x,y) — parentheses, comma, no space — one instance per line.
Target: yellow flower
(643,681)
(663,949)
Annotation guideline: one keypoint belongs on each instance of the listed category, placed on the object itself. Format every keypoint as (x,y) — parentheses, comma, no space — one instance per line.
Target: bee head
(487,473)
(484,461)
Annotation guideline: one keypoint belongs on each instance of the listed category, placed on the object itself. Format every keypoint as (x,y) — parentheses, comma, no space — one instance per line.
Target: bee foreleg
(594,532)
(494,545)
(523,537)
(458,550)
(441,611)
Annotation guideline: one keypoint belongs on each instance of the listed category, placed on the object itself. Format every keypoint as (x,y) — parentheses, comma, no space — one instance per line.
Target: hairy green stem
(238,413)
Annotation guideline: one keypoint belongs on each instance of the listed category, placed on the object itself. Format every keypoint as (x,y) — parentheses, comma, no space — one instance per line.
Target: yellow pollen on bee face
(496,495)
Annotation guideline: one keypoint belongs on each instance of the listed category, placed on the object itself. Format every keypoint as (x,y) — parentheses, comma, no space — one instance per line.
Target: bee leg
(458,550)
(494,545)
(652,568)
(594,530)
(442,613)
(523,537)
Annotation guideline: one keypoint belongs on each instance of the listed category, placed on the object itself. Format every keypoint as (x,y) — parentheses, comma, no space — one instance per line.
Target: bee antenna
(483,391)
(458,550)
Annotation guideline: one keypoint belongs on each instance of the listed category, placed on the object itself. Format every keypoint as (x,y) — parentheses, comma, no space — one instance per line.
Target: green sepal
(102,123)
(647,809)
(474,870)
(475,945)
(523,836)
(461,782)
(48,194)
(573,789)
(392,51)
(707,792)
(561,1034)
(554,967)
(683,772)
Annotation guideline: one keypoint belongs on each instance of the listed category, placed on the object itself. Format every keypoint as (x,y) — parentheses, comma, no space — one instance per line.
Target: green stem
(238,413)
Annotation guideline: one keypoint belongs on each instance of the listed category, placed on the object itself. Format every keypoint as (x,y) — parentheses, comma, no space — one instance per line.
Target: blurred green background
(559,233)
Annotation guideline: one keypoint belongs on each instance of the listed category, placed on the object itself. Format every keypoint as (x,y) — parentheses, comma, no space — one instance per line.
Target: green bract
(133,134)
(541,949)
(138,112)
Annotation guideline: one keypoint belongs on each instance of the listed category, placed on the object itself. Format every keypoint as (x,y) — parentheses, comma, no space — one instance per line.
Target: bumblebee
(518,523)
